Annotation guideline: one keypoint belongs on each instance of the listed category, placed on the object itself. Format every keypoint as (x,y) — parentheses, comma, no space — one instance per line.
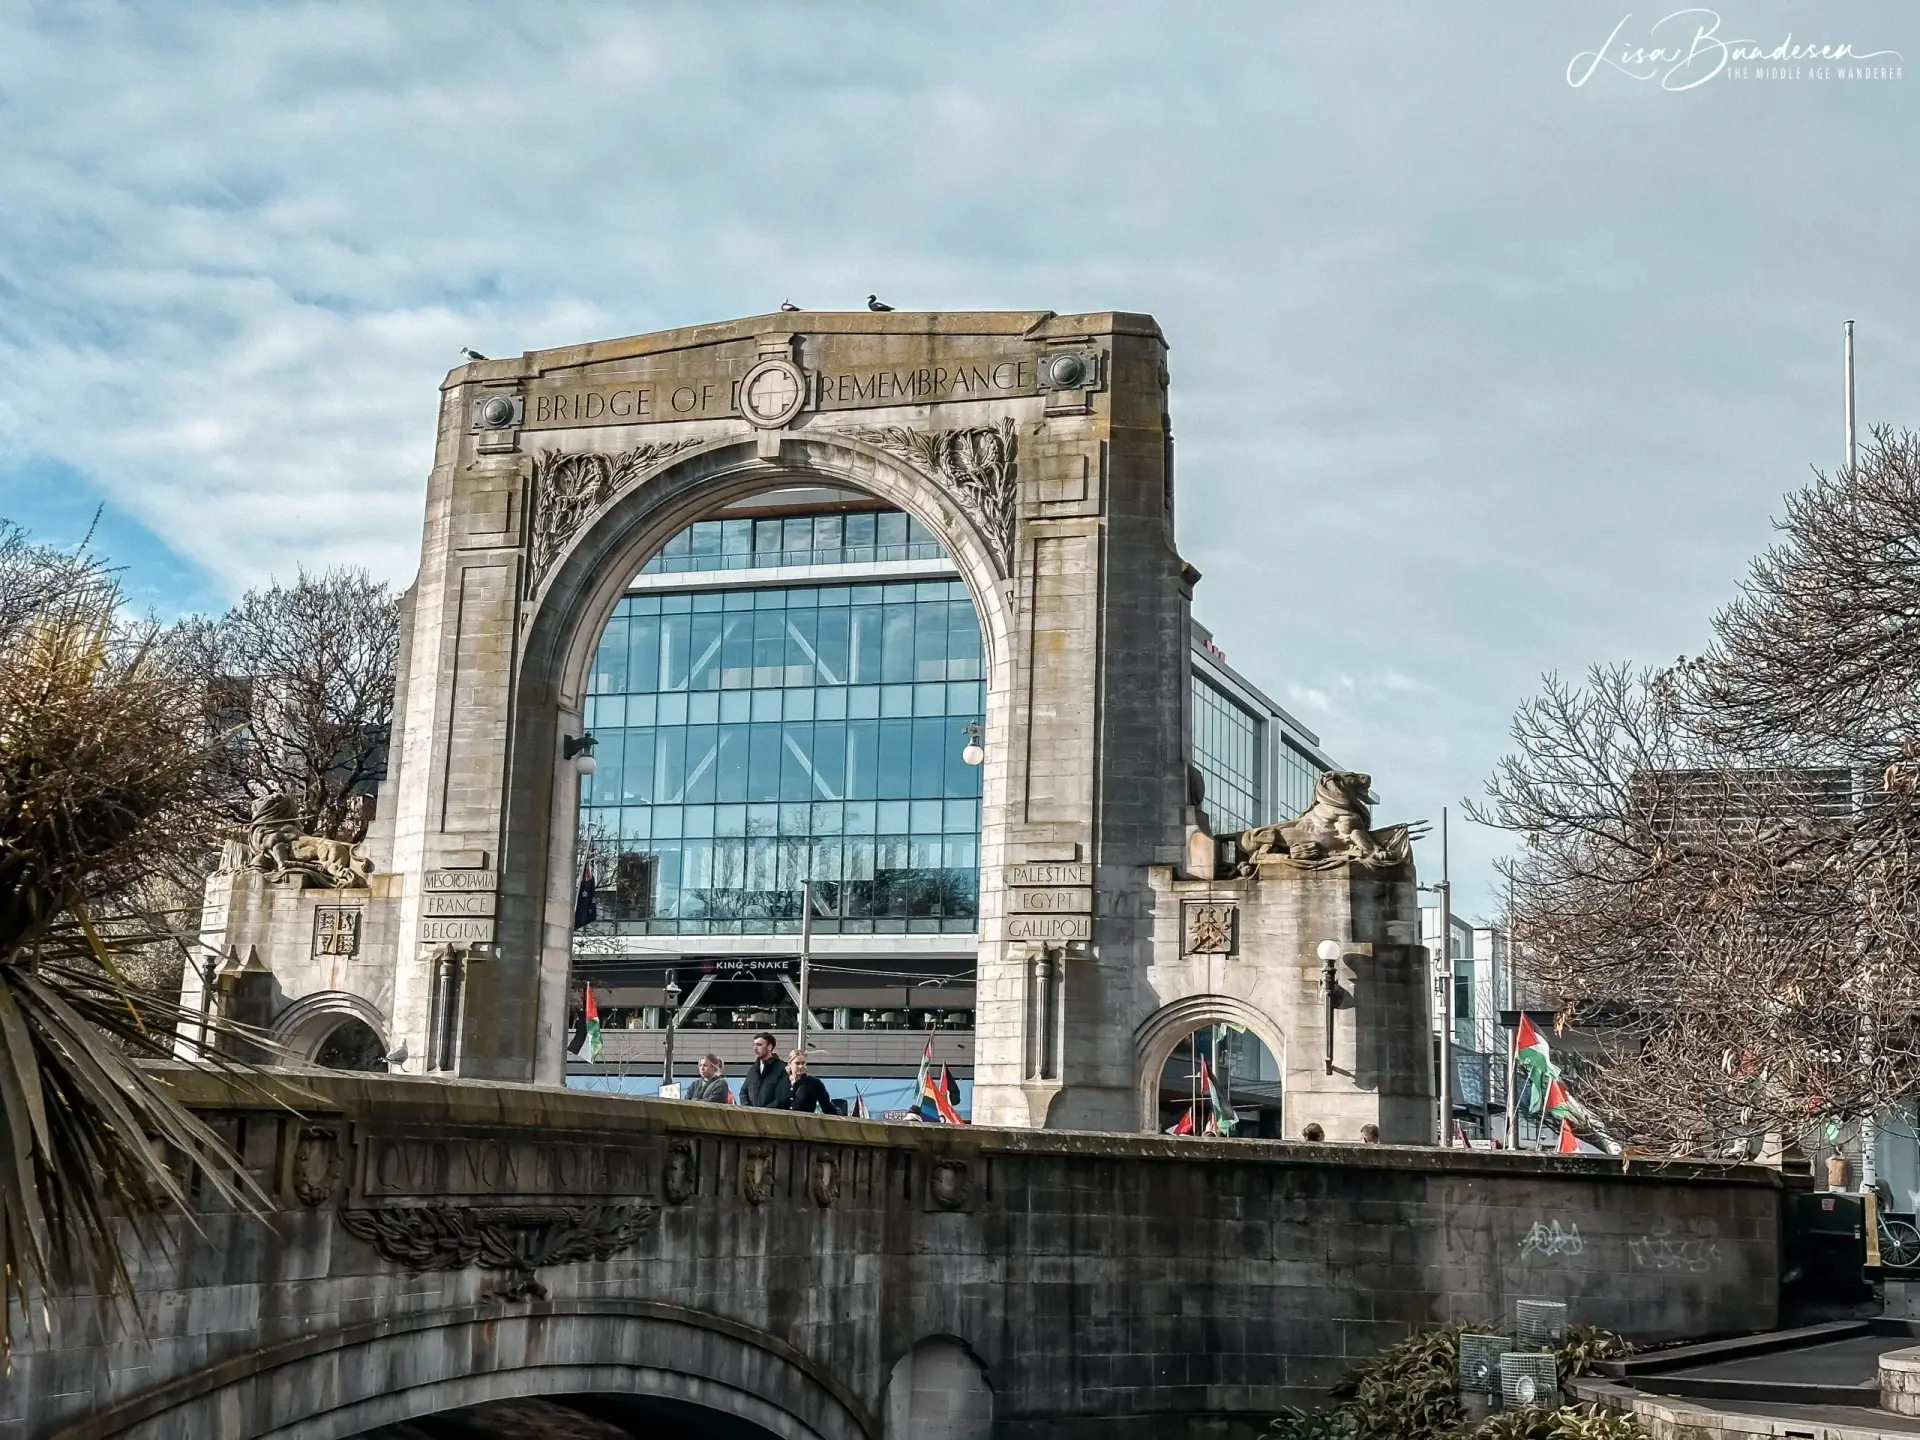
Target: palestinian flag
(1569,1142)
(590,1048)
(1530,1053)
(1220,1118)
(1558,1104)
(1184,1125)
(859,1105)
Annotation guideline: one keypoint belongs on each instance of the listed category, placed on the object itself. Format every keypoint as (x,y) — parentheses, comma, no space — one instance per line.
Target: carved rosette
(569,489)
(974,465)
(516,1239)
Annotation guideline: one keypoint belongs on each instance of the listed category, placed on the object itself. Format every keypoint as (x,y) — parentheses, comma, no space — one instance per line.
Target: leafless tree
(297,681)
(1718,877)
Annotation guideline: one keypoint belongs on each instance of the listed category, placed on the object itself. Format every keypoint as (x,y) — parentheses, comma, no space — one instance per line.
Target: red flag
(1568,1145)
(1557,1097)
(1525,1037)
(1184,1125)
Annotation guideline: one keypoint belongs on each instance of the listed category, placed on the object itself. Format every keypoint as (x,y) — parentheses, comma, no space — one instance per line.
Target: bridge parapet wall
(443,1243)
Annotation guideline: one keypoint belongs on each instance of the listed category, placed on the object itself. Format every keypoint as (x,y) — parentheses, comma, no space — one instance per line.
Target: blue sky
(1478,373)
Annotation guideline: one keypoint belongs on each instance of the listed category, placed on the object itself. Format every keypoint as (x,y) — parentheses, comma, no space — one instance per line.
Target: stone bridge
(648,1267)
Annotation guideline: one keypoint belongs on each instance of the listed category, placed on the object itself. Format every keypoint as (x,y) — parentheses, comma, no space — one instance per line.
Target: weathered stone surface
(780,1267)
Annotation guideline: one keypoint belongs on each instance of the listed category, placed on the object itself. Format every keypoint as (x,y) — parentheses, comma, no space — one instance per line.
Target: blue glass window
(750,738)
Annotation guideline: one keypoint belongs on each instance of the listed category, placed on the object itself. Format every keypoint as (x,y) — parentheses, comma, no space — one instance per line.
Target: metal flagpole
(1446,989)
(806,961)
(1849,391)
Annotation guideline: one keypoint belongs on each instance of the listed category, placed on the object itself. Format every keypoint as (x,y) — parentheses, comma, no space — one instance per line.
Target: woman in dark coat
(809,1094)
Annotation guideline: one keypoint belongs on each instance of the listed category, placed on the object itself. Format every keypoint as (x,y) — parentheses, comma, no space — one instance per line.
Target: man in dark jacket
(809,1091)
(765,1083)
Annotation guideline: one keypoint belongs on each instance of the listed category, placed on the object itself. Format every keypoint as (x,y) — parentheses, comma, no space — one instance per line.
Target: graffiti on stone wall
(1552,1240)
(1660,1250)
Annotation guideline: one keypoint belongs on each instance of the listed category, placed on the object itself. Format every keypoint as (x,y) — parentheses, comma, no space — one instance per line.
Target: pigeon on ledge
(788,305)
(472,354)
(874,302)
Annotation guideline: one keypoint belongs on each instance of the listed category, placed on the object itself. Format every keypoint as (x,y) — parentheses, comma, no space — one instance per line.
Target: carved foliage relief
(568,489)
(975,465)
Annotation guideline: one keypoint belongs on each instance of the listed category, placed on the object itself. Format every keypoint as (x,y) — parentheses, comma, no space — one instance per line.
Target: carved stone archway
(1160,1035)
(1034,445)
(336,1384)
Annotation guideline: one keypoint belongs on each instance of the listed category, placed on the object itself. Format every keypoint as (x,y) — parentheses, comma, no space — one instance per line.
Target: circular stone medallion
(772,393)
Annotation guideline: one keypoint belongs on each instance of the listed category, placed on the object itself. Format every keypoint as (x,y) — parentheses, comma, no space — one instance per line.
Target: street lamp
(673,1009)
(579,750)
(975,753)
(1329,952)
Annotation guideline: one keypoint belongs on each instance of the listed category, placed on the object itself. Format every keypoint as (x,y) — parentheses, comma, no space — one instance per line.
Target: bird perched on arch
(874,302)
(471,354)
(788,305)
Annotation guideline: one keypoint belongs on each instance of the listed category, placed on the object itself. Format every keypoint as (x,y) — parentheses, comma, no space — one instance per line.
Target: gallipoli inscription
(1049,927)
(707,387)
(439,1166)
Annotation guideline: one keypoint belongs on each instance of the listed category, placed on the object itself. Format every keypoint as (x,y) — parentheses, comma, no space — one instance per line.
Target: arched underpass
(575,1417)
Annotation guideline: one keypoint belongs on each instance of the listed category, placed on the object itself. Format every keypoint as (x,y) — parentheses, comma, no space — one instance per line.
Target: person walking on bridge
(766,1084)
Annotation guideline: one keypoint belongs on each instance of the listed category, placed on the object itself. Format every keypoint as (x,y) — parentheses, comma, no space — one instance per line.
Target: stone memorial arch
(1034,445)
(1037,447)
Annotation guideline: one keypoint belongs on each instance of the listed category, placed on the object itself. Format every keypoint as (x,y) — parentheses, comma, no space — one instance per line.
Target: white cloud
(1475,374)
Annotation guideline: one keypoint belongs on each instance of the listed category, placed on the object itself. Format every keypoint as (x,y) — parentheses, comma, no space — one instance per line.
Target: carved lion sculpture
(1334,830)
(276,847)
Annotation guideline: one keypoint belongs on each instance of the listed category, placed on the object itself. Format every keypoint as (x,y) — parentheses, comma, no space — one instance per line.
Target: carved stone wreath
(975,465)
(568,489)
(316,1165)
(517,1239)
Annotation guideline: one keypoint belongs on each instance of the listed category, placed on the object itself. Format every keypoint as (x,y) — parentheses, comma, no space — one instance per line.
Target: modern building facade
(784,698)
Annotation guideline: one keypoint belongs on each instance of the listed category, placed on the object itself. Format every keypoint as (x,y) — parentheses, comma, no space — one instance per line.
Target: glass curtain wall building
(780,700)
(782,697)
(1258,761)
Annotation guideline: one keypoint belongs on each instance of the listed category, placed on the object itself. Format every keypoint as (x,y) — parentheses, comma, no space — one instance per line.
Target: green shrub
(1410,1391)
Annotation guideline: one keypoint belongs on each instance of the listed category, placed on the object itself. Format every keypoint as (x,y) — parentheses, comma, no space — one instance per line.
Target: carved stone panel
(336,931)
(515,1239)
(1209,928)
(950,1185)
(756,1174)
(682,1173)
(823,1178)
